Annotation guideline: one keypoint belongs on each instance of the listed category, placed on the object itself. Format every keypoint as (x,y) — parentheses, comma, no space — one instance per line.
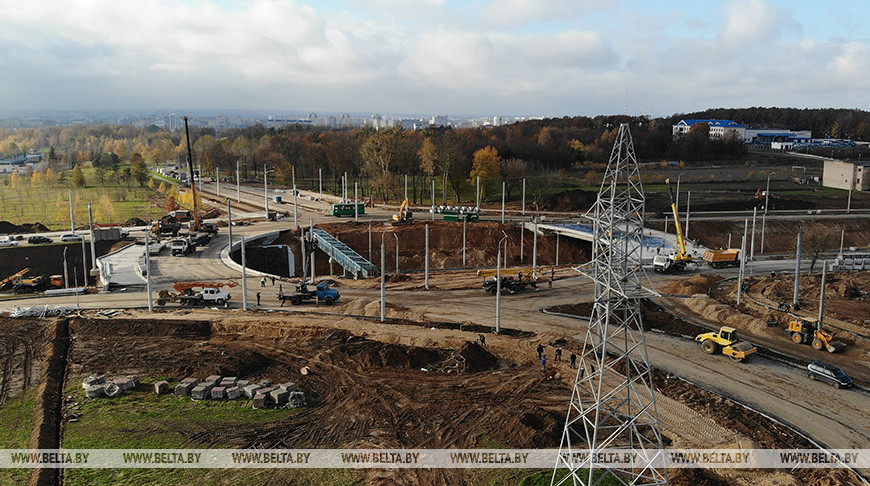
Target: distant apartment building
(843,175)
(439,121)
(718,128)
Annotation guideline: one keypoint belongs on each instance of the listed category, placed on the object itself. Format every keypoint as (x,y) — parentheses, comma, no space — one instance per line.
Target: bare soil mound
(846,294)
(370,354)
(7,228)
(134,222)
(697,284)
(477,358)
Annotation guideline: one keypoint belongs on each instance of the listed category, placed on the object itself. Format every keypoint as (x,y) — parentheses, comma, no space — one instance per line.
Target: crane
(677,261)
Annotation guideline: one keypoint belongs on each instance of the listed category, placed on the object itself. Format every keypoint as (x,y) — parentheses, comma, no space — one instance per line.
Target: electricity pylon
(613,405)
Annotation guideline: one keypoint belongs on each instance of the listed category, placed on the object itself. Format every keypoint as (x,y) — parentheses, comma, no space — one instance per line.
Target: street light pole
(383,282)
(502,201)
(238,184)
(266,190)
(148,271)
(498,286)
(397,252)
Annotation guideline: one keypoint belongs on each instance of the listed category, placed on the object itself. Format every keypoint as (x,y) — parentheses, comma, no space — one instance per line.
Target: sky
(450,57)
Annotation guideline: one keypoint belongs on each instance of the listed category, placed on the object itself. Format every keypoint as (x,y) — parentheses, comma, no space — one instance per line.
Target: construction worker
(263,282)
(258,298)
(544,364)
(573,361)
(482,340)
(273,280)
(540,350)
(559,354)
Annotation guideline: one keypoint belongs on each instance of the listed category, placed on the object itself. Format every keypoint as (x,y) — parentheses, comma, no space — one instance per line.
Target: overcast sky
(455,57)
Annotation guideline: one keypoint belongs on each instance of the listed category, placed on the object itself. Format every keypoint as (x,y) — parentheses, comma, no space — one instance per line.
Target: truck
(321,293)
(722,258)
(509,284)
(196,293)
(676,261)
(38,283)
(181,247)
(725,341)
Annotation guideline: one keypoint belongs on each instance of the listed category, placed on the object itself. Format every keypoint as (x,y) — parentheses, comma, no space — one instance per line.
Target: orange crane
(13,277)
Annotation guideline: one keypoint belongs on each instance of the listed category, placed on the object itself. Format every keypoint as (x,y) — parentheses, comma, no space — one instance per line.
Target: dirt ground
(846,307)
(781,235)
(445,245)
(390,385)
(21,355)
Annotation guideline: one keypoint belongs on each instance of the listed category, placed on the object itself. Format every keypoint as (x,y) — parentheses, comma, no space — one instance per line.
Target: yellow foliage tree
(151,183)
(106,209)
(162,187)
(38,179)
(15,181)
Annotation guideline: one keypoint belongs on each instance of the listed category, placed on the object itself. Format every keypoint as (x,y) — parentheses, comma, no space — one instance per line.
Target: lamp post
(397,252)
(266,189)
(498,286)
(764,216)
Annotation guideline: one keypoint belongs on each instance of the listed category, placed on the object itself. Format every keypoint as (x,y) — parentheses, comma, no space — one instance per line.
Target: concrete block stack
(233,392)
(184,388)
(218,393)
(161,387)
(96,385)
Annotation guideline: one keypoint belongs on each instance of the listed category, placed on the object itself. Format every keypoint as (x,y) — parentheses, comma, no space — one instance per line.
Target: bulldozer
(726,342)
(809,330)
(404,215)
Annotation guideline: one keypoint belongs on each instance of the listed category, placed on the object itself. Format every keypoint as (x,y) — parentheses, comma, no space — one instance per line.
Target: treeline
(824,122)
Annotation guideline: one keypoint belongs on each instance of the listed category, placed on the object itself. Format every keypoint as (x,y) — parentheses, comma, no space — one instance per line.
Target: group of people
(557,357)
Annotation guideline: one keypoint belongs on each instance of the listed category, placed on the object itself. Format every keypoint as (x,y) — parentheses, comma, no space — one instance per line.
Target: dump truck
(722,258)
(725,341)
(321,293)
(809,330)
(196,293)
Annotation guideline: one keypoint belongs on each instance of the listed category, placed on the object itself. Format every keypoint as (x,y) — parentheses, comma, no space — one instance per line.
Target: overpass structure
(654,242)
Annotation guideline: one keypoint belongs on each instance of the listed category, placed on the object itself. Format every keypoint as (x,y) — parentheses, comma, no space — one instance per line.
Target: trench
(48,413)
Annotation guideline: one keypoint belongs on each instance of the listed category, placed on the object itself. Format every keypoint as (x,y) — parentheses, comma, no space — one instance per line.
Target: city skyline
(430,57)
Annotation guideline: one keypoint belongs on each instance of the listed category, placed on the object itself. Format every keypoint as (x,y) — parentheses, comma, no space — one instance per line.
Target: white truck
(181,247)
(206,296)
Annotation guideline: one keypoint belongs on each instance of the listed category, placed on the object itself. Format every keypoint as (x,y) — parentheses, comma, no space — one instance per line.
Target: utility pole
(842,238)
(238,184)
(535,251)
(433,199)
(557,248)
(502,201)
(427,257)
(397,252)
(266,190)
(688,211)
(742,268)
(370,241)
(217,171)
(72,216)
(244,276)
(524,196)
(498,286)
(295,201)
(464,240)
(355,202)
(148,270)
(752,246)
(406,187)
(320,181)
(797,273)
(65,269)
(477,197)
(822,294)
(196,224)
(93,245)
(230,224)
(383,282)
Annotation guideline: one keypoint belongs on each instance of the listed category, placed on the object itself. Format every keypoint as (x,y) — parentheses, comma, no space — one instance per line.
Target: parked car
(39,240)
(827,373)
(8,241)
(70,237)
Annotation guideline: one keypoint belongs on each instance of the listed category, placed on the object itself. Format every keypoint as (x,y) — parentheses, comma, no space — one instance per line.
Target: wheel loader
(809,330)
(726,342)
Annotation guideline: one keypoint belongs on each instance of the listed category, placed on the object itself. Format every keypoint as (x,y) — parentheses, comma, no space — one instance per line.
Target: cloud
(516,12)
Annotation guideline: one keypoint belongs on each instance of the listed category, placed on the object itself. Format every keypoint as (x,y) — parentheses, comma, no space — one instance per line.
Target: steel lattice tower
(613,405)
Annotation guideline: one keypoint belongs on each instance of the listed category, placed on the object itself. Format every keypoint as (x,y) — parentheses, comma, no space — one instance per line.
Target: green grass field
(142,419)
(112,202)
(16,423)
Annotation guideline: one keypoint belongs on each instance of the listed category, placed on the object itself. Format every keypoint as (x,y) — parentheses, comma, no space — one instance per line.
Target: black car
(830,374)
(39,239)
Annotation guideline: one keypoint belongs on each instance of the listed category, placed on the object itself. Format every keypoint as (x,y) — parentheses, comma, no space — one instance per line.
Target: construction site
(411,332)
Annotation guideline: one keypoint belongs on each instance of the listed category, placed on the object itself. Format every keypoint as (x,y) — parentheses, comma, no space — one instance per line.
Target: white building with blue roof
(718,128)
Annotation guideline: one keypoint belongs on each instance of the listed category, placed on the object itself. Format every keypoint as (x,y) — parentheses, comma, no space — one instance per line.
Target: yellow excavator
(404,216)
(677,261)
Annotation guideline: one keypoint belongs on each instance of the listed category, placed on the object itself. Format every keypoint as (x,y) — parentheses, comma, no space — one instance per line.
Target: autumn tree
(428,154)
(138,168)
(379,153)
(78,177)
(487,166)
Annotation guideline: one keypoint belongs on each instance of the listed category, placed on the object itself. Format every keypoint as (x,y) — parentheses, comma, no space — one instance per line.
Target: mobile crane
(677,261)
